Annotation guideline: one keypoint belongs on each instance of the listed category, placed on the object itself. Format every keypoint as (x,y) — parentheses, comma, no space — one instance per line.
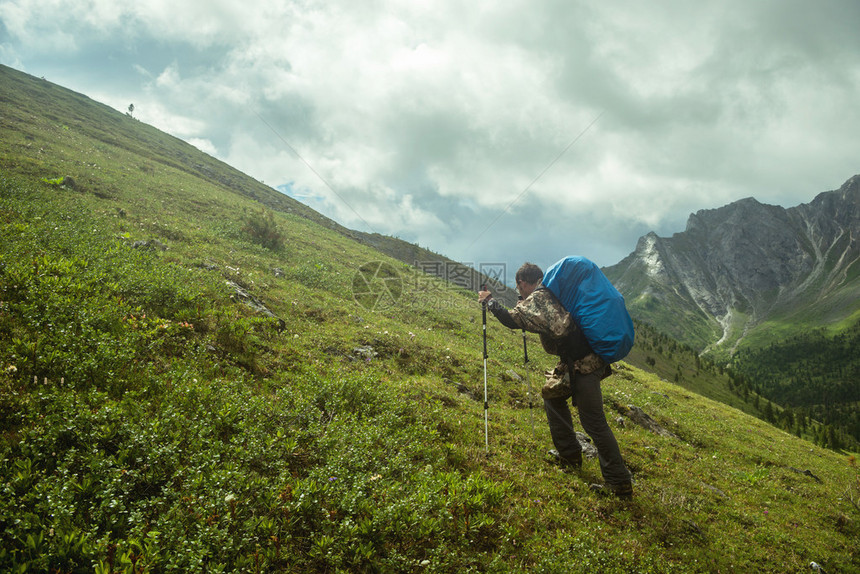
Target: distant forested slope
(815,370)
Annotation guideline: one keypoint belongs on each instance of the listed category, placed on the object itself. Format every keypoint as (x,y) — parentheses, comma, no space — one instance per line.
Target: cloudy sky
(492,132)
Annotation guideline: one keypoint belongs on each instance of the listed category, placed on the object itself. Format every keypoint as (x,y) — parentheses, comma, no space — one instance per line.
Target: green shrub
(262,229)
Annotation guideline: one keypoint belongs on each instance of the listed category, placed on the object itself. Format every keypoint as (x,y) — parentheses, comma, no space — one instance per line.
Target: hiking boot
(566,463)
(623,490)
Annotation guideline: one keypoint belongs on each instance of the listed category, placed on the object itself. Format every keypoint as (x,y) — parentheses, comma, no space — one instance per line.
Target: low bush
(262,229)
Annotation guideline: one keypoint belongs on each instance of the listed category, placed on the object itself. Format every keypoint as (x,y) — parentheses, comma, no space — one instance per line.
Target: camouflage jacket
(542,313)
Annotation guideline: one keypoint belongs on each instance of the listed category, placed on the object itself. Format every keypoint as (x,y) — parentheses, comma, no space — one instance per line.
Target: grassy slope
(202,426)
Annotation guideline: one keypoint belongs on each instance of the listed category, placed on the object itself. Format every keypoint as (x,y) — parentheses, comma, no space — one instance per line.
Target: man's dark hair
(530,273)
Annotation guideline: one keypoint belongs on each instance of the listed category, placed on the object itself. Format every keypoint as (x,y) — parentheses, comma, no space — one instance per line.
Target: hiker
(540,311)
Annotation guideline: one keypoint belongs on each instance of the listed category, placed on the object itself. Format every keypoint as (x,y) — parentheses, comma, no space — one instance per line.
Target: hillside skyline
(188,369)
(462,131)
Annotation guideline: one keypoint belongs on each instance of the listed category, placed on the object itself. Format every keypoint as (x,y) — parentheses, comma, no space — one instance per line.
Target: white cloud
(168,79)
(204,145)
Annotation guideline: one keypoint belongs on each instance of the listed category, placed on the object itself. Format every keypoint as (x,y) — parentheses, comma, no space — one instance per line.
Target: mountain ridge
(772,293)
(736,267)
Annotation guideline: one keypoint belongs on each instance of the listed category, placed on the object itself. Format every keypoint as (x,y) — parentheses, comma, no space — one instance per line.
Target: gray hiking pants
(589,402)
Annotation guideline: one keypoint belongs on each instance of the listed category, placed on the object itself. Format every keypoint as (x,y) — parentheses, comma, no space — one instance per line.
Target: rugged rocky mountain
(749,271)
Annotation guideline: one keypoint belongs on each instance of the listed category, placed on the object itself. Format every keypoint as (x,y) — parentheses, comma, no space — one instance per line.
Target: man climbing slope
(541,311)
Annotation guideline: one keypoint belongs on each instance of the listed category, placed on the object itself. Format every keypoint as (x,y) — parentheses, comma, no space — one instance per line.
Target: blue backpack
(595,304)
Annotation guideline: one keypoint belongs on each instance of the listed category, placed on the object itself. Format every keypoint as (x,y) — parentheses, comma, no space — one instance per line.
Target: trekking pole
(486,403)
(528,380)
